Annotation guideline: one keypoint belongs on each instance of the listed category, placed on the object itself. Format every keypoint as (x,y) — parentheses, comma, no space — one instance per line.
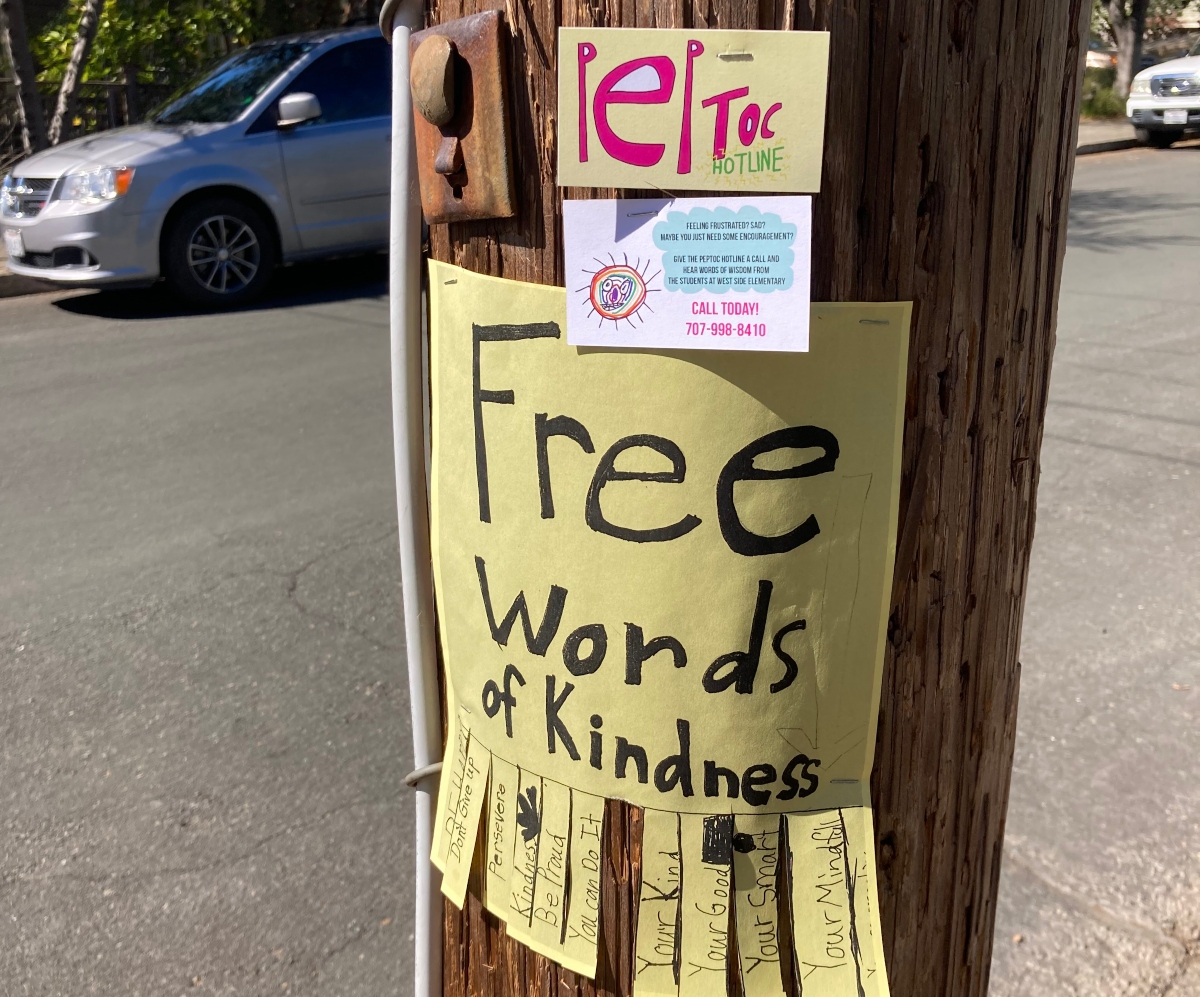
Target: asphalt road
(1101,874)
(204,714)
(204,710)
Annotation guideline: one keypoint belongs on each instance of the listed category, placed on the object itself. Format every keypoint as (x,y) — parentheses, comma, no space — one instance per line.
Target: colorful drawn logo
(618,290)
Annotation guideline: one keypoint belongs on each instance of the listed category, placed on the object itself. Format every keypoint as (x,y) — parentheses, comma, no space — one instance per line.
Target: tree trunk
(949,147)
(1128,28)
(16,50)
(64,110)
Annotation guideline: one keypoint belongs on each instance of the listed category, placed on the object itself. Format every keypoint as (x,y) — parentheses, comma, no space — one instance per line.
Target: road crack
(293,582)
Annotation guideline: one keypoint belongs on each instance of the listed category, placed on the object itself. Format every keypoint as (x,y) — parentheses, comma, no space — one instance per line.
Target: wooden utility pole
(949,148)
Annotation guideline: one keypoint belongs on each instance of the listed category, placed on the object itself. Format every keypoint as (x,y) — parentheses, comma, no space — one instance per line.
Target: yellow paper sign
(663,577)
(735,111)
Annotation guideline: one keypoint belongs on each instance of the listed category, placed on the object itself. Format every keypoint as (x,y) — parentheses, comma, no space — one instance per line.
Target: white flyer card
(704,273)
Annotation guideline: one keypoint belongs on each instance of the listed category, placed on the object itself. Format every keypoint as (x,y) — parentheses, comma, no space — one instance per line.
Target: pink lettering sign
(621,106)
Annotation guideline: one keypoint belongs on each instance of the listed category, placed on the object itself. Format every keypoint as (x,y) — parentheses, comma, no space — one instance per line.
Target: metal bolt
(432,79)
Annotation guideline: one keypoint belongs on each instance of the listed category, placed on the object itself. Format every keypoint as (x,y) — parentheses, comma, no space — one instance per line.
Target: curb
(13,285)
(1124,143)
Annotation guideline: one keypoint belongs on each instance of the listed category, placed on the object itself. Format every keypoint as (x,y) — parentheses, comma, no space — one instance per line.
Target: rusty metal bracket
(462,120)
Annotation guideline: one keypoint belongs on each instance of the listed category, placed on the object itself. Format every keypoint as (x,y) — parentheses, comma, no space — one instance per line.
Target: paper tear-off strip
(701,877)
(657,947)
(583,904)
(500,835)
(756,903)
(450,784)
(550,884)
(462,830)
(707,845)
(835,923)
(860,832)
(525,853)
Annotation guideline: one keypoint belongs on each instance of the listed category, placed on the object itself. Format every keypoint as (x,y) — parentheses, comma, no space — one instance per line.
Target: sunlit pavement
(204,711)
(1100,887)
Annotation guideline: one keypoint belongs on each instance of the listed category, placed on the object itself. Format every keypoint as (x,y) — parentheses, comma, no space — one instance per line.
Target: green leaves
(164,41)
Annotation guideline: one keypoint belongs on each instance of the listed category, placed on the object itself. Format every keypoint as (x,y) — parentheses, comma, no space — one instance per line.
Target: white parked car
(1164,100)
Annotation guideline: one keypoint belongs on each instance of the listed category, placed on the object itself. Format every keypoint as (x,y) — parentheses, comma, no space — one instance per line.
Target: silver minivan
(280,154)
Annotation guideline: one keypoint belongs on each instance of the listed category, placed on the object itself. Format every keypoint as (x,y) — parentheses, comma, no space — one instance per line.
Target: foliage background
(1162,18)
(169,41)
(1100,99)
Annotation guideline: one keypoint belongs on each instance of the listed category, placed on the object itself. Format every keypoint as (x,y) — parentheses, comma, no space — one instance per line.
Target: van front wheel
(219,253)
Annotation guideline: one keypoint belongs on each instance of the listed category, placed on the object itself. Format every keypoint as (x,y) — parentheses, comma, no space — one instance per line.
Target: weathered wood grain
(948,156)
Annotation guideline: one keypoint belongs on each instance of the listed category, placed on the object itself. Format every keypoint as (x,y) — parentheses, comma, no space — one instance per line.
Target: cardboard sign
(732,111)
(663,577)
(689,274)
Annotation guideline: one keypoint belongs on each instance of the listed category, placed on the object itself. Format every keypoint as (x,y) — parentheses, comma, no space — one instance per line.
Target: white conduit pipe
(396,21)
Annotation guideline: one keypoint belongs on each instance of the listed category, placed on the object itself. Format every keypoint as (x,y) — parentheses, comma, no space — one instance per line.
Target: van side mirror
(297,108)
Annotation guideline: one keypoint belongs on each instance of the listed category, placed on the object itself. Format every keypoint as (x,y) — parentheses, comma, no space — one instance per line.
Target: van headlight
(1139,86)
(97,185)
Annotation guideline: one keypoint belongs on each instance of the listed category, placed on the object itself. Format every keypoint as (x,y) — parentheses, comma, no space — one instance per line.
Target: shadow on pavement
(300,284)
(1100,219)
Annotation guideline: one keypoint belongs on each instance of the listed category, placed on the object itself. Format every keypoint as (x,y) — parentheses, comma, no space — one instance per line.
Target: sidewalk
(11,285)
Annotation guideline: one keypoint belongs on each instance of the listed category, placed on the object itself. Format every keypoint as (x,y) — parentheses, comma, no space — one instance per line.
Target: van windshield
(228,90)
